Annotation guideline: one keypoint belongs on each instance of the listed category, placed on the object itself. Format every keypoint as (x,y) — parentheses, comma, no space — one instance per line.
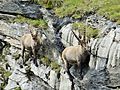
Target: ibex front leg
(79,64)
(23,51)
(34,56)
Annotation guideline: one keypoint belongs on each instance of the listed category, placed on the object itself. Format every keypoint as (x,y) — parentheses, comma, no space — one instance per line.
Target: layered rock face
(101,74)
(106,49)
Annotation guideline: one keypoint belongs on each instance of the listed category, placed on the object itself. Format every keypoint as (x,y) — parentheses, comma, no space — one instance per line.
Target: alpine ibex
(75,55)
(31,42)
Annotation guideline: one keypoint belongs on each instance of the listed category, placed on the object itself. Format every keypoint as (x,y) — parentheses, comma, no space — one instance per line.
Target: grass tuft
(90,32)
(35,22)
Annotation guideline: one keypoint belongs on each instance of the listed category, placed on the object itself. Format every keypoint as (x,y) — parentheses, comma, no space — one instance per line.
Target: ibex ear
(36,32)
(31,32)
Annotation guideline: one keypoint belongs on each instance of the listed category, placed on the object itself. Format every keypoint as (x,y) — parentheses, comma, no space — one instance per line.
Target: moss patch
(2,58)
(17,88)
(7,74)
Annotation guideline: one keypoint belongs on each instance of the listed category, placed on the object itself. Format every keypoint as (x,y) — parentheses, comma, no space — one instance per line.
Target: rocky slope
(102,73)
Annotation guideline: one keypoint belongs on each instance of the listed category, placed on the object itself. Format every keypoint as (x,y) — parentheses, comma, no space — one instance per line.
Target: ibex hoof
(81,77)
(25,64)
(65,71)
(36,64)
(21,66)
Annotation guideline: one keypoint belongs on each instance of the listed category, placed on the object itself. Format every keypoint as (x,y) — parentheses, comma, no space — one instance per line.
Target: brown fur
(30,42)
(74,55)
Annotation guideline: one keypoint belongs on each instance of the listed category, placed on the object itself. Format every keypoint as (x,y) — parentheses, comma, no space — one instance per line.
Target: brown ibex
(75,55)
(31,42)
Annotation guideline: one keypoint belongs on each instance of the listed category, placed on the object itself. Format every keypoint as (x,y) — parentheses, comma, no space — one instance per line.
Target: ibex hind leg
(23,58)
(67,67)
(34,51)
(79,70)
(30,54)
(35,62)
(69,72)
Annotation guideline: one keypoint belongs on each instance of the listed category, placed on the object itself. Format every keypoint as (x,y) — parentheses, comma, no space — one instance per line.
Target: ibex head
(34,33)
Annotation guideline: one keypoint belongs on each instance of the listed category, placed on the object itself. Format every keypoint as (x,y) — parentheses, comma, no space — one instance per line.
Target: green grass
(90,32)
(49,3)
(2,58)
(35,22)
(112,13)
(77,8)
(17,88)
(70,7)
(54,65)
(4,75)
(46,61)
(51,63)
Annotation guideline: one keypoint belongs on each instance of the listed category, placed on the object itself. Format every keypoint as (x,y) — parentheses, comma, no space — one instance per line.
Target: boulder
(19,8)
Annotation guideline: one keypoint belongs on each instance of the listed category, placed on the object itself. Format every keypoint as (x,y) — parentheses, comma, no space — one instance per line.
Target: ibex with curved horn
(75,55)
(31,42)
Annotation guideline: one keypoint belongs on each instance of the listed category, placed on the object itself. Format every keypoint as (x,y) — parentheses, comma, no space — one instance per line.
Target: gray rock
(95,80)
(7,16)
(3,1)
(41,71)
(107,46)
(103,50)
(92,62)
(18,8)
(114,79)
(112,55)
(20,78)
(68,37)
(53,79)
(105,53)
(65,83)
